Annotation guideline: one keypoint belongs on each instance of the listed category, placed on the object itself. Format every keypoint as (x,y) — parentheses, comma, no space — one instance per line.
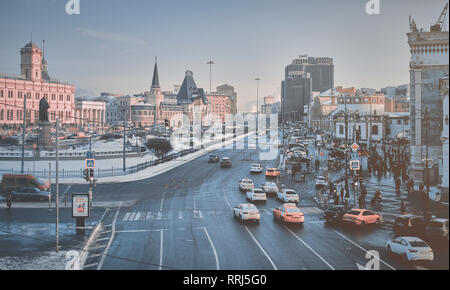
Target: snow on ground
(35,261)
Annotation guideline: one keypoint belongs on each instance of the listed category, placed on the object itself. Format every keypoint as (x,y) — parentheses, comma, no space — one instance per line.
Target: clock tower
(31,59)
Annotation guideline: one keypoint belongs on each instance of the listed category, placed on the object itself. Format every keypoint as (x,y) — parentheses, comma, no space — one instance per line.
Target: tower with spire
(156,96)
(44,66)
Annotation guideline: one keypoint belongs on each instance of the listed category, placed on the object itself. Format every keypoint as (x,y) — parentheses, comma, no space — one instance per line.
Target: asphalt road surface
(183,219)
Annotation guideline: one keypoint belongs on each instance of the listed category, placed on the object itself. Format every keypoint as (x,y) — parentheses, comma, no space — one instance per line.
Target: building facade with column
(91,113)
(428,64)
(444,165)
(34,83)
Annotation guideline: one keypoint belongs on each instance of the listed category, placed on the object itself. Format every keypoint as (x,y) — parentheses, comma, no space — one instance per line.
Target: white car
(256,169)
(321,181)
(246,184)
(269,187)
(246,212)
(410,248)
(288,195)
(256,195)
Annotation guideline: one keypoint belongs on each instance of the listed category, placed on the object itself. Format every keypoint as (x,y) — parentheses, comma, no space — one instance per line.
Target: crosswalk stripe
(159,216)
(126,216)
(200,214)
(180,215)
(132,216)
(138,215)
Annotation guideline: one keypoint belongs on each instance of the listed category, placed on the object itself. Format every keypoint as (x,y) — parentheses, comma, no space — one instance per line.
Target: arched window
(341,129)
(375,130)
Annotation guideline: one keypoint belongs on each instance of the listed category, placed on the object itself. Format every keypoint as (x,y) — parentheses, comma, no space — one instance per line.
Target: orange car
(288,213)
(272,173)
(362,217)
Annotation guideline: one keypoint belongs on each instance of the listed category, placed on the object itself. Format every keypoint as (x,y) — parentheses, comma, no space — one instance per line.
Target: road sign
(80,205)
(355,156)
(355,147)
(89,155)
(355,165)
(90,163)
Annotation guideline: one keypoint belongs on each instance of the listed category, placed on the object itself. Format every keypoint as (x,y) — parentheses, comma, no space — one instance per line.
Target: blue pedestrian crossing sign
(90,163)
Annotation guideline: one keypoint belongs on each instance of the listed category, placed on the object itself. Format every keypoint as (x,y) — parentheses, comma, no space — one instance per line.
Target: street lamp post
(427,173)
(23,132)
(210,75)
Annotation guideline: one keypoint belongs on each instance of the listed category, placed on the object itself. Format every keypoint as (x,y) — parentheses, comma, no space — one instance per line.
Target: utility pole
(23,131)
(124,152)
(427,173)
(370,124)
(57,185)
(346,144)
(210,75)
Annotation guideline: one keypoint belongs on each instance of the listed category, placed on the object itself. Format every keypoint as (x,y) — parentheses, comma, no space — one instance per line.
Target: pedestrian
(398,183)
(293,171)
(342,194)
(9,201)
(402,208)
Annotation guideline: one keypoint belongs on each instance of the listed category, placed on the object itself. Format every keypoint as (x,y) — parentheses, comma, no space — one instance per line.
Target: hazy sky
(112,44)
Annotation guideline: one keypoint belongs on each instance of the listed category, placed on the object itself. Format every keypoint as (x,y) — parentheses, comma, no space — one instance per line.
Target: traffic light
(86,174)
(91,173)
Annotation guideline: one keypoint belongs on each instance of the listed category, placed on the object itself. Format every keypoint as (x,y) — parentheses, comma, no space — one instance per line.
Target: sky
(112,44)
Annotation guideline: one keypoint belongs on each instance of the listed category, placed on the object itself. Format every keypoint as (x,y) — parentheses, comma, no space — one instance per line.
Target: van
(11,182)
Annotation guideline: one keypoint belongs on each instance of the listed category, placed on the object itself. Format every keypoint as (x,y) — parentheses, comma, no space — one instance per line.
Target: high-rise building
(295,94)
(428,64)
(302,77)
(321,70)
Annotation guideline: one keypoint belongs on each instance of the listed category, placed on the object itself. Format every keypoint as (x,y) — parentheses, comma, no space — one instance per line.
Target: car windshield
(291,193)
(418,244)
(354,212)
(247,181)
(293,210)
(258,191)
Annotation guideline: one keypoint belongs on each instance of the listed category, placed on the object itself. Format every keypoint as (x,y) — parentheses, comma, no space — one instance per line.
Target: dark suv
(213,159)
(409,225)
(334,213)
(226,162)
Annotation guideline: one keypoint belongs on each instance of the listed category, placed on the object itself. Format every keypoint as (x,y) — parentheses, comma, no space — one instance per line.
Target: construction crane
(440,23)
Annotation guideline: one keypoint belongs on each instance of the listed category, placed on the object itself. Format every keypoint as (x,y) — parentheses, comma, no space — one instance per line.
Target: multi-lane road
(183,219)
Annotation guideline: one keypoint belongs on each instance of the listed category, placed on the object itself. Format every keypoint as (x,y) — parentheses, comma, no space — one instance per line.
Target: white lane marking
(180,215)
(127,215)
(139,231)
(149,215)
(360,247)
(161,251)
(267,212)
(113,229)
(200,215)
(138,215)
(226,199)
(311,249)
(159,216)
(214,249)
(162,201)
(262,249)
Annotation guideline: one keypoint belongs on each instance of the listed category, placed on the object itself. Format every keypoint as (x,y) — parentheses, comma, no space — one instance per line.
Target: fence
(109,172)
